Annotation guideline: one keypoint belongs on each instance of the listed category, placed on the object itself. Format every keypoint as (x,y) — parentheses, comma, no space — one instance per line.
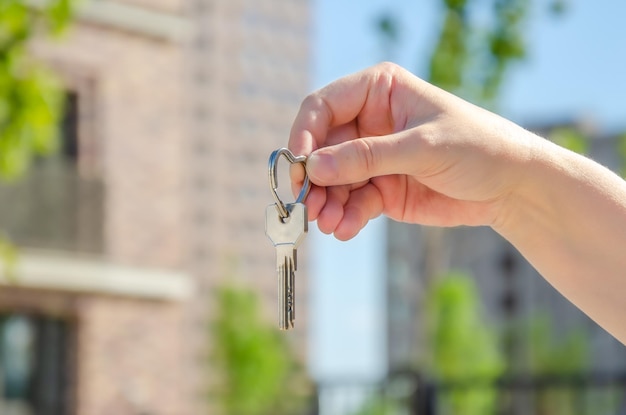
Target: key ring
(273,167)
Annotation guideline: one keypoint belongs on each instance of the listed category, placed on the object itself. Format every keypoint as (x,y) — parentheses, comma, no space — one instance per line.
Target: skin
(382,141)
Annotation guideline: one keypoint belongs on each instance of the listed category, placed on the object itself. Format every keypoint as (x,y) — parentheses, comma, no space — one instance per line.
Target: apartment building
(510,289)
(157,195)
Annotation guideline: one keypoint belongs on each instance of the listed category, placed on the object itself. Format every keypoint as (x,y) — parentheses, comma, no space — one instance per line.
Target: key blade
(286,260)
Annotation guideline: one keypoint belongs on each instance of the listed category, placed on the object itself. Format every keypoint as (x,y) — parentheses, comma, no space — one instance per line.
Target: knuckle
(316,105)
(388,67)
(366,155)
(310,103)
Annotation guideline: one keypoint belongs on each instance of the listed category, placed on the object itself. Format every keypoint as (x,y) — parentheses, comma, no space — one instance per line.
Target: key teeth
(287,327)
(286,289)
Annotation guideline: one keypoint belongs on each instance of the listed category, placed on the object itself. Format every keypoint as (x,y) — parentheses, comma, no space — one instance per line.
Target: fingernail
(321,167)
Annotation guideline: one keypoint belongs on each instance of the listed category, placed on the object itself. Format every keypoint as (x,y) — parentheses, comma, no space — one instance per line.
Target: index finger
(337,103)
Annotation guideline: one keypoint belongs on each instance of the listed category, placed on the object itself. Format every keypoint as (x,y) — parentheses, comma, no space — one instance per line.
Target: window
(34,369)
(69,129)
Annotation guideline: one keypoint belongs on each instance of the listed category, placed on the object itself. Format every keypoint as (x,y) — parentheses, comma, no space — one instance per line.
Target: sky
(575,70)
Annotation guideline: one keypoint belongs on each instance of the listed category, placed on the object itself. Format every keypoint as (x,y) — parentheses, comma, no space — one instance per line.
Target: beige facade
(178,106)
(250,67)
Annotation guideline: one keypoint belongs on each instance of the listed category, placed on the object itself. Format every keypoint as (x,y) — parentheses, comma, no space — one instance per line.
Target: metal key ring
(273,168)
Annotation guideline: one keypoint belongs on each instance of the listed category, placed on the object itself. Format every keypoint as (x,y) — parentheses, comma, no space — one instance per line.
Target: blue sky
(576,69)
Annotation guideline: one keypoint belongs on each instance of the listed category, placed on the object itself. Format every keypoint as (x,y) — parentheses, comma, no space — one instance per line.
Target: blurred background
(135,275)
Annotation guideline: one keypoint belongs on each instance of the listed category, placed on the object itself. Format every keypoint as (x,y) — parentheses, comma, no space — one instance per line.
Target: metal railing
(407,393)
(53,207)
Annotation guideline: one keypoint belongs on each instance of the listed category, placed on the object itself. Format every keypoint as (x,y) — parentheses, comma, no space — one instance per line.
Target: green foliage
(388,28)
(478,42)
(257,371)
(379,406)
(450,55)
(59,13)
(8,257)
(621,150)
(570,138)
(558,7)
(463,345)
(472,55)
(554,352)
(31,97)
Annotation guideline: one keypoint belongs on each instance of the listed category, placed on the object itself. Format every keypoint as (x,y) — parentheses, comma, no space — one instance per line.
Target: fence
(408,394)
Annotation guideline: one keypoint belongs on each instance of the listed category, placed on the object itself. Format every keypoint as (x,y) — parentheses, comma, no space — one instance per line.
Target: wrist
(528,198)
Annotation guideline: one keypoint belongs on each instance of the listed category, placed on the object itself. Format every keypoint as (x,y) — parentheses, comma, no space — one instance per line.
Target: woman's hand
(384,141)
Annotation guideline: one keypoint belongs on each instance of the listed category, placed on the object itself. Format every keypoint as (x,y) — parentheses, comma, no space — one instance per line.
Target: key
(286,234)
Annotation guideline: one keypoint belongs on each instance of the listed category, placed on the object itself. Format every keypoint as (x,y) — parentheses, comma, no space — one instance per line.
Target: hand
(383,141)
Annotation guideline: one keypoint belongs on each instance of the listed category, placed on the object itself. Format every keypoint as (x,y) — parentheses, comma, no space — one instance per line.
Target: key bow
(273,177)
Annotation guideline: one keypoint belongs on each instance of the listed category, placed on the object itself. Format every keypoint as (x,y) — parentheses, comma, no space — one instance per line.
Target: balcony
(54,208)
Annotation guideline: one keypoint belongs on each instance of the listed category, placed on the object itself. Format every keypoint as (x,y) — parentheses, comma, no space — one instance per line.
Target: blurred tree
(472,55)
(389,35)
(8,255)
(380,405)
(257,372)
(31,98)
(555,351)
(621,150)
(463,347)
(477,43)
(570,138)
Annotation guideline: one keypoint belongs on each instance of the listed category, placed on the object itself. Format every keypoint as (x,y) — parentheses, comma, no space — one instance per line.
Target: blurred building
(249,71)
(510,289)
(158,193)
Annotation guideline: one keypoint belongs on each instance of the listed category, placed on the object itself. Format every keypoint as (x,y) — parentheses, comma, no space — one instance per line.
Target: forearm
(568,218)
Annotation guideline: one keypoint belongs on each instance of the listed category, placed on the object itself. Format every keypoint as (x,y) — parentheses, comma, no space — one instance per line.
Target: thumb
(359,159)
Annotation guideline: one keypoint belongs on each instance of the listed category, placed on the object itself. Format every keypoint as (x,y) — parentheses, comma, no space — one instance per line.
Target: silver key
(286,234)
